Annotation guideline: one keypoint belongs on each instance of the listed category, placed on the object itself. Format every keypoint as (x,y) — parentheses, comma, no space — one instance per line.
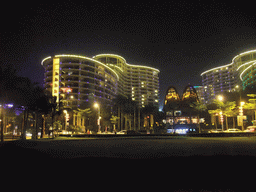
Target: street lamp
(66,119)
(96,105)
(220,98)
(241,113)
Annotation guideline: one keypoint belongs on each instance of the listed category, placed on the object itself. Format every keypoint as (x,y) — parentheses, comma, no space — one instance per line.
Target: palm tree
(124,106)
(200,109)
(228,109)
(119,106)
(251,107)
(114,120)
(83,114)
(150,111)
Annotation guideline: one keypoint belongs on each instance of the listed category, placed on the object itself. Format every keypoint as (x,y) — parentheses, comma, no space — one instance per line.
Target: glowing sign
(66,90)
(181,131)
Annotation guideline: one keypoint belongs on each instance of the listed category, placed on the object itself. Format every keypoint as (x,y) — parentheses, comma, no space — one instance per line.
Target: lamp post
(220,98)
(96,105)
(241,113)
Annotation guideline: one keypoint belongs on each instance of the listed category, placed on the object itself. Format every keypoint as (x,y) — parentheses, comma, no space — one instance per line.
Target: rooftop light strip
(216,68)
(143,67)
(246,70)
(245,64)
(241,54)
(42,62)
(117,56)
(87,58)
(110,55)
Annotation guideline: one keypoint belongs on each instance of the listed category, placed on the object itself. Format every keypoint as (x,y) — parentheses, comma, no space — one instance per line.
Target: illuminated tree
(227,108)
(114,121)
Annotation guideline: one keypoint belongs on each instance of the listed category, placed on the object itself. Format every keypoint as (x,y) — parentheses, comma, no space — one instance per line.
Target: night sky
(180,38)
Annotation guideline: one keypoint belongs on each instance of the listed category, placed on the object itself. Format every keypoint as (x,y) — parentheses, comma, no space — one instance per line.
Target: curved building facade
(79,80)
(231,77)
(139,82)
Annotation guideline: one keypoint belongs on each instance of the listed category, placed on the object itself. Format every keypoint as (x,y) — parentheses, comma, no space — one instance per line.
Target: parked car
(122,132)
(233,130)
(216,131)
(108,132)
(250,129)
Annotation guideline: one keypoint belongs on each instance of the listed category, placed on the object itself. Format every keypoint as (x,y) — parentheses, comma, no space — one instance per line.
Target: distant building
(240,74)
(200,93)
(180,117)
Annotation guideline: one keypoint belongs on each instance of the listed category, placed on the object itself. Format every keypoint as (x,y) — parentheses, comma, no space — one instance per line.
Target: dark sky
(180,38)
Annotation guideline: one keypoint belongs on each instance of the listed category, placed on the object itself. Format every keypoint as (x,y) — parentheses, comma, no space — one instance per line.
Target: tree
(151,110)
(114,120)
(125,107)
(119,108)
(83,113)
(228,109)
(251,108)
(8,90)
(252,104)
(200,109)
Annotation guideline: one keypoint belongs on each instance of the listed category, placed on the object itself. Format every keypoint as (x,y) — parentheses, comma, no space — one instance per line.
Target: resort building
(80,80)
(240,74)
(141,83)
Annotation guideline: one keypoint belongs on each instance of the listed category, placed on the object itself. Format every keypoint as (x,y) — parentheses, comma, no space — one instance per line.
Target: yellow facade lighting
(55,78)
(87,58)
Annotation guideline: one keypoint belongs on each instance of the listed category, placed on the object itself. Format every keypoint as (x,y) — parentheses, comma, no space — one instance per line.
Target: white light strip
(42,62)
(241,54)
(117,56)
(216,68)
(245,64)
(110,55)
(246,70)
(87,58)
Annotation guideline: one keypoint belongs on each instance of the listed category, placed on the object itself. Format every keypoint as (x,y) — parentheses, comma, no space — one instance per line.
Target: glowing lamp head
(96,105)
(220,98)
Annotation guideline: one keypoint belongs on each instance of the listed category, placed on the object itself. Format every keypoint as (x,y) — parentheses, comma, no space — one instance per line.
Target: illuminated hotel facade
(80,81)
(240,74)
(141,83)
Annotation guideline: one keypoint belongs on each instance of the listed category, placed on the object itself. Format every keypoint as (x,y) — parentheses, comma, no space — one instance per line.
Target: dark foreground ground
(167,163)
